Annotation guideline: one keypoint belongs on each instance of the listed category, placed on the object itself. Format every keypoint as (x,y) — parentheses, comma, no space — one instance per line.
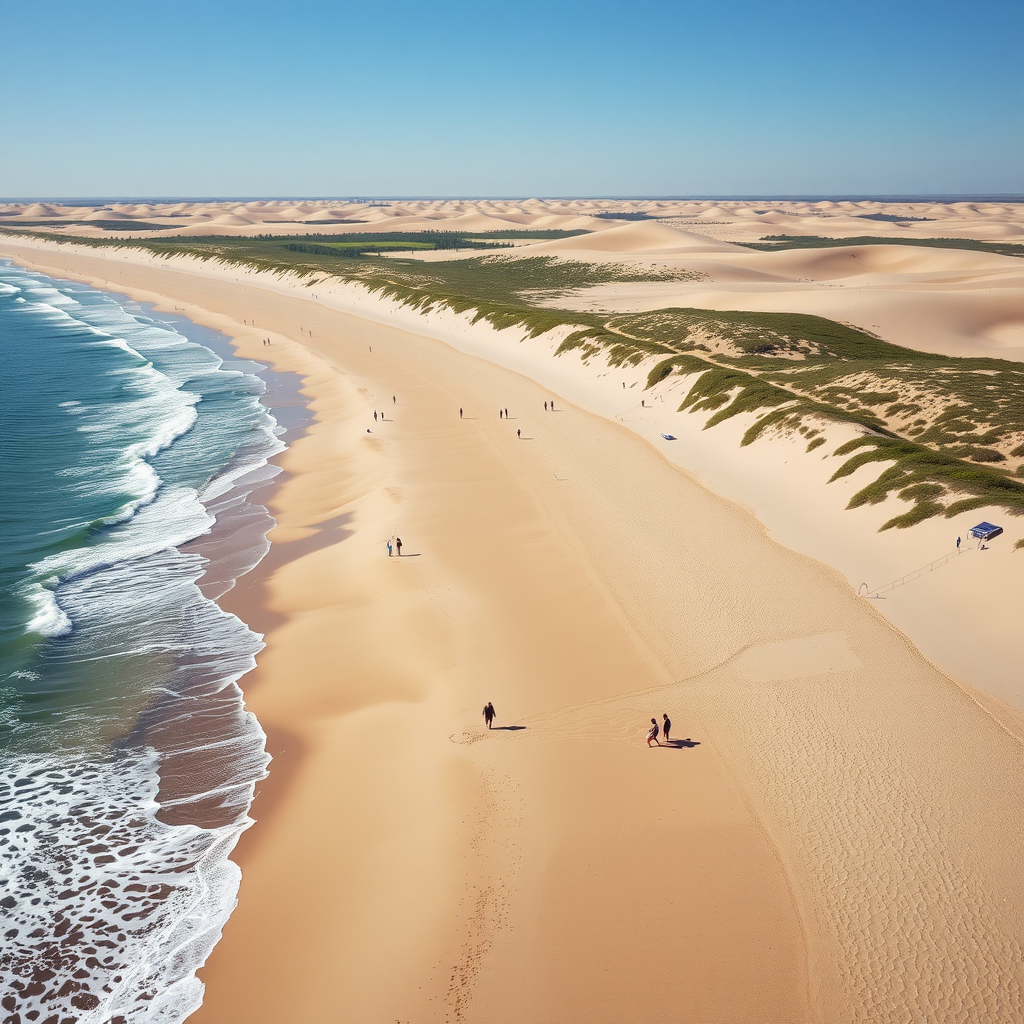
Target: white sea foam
(118,903)
(108,911)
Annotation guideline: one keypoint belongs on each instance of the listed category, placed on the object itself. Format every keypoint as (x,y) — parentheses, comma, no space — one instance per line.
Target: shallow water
(128,759)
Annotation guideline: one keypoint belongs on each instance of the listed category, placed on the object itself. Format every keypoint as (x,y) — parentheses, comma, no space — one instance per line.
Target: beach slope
(832,836)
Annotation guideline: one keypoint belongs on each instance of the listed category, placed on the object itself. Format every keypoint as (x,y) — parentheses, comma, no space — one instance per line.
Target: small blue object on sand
(985,531)
(669,437)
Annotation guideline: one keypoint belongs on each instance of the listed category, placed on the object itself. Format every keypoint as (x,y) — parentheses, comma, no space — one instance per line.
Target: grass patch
(106,225)
(916,473)
(774,243)
(947,425)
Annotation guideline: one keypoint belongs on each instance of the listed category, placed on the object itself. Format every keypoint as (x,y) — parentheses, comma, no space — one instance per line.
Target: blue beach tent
(985,531)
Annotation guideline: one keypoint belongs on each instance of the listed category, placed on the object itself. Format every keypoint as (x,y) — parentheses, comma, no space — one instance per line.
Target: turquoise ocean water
(129,451)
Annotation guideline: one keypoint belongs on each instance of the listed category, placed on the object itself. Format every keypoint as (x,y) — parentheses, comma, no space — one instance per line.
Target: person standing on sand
(506,414)
(374,415)
(666,726)
(394,401)
(398,545)
(389,549)
(545,406)
(500,414)
(460,413)
(489,714)
(652,733)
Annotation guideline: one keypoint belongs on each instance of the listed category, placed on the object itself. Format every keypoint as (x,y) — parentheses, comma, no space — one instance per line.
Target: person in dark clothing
(519,433)
(652,733)
(489,714)
(460,414)
(666,726)
(398,545)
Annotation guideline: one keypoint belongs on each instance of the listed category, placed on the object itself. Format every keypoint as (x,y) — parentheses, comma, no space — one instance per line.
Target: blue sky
(731,97)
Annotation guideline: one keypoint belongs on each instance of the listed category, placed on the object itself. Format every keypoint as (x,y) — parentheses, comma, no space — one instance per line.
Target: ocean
(131,445)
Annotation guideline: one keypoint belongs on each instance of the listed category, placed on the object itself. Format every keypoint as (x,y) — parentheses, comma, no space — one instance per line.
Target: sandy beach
(834,834)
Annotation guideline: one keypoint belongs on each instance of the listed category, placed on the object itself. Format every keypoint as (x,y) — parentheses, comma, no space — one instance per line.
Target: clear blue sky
(722,97)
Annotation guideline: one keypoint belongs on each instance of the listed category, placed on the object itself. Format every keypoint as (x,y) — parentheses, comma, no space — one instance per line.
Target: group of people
(666,729)
(397,544)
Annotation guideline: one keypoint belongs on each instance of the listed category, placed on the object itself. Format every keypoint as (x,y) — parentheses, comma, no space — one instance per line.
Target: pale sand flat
(843,844)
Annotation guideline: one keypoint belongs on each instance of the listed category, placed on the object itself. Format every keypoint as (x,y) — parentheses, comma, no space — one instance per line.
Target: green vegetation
(893,218)
(106,225)
(773,243)
(922,475)
(948,433)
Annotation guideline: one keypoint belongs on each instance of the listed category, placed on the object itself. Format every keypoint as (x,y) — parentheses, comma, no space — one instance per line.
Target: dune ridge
(842,842)
(725,220)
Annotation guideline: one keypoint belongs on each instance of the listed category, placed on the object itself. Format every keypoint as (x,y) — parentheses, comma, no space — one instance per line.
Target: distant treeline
(356,244)
(106,225)
(437,239)
(639,215)
(893,217)
(773,243)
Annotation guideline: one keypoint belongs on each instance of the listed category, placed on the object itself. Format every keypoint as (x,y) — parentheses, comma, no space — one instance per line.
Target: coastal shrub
(984,455)
(913,464)
(921,511)
(921,492)
(773,243)
(675,364)
(788,368)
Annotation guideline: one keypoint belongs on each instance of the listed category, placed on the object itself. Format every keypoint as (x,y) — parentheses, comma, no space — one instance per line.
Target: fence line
(863,591)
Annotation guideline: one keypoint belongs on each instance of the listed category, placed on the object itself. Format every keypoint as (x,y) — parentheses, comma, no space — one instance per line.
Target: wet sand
(838,841)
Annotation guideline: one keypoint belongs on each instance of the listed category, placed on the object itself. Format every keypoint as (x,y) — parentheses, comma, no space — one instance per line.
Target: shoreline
(196,753)
(961,617)
(790,691)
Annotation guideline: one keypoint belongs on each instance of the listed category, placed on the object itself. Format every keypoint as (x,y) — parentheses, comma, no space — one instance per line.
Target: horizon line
(939,197)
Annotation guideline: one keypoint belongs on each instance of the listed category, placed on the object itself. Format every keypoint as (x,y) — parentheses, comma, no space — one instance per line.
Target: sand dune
(722,220)
(639,237)
(840,843)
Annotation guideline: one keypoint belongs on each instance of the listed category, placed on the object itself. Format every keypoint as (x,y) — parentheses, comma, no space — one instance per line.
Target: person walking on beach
(389,549)
(652,733)
(666,726)
(489,714)
(398,545)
